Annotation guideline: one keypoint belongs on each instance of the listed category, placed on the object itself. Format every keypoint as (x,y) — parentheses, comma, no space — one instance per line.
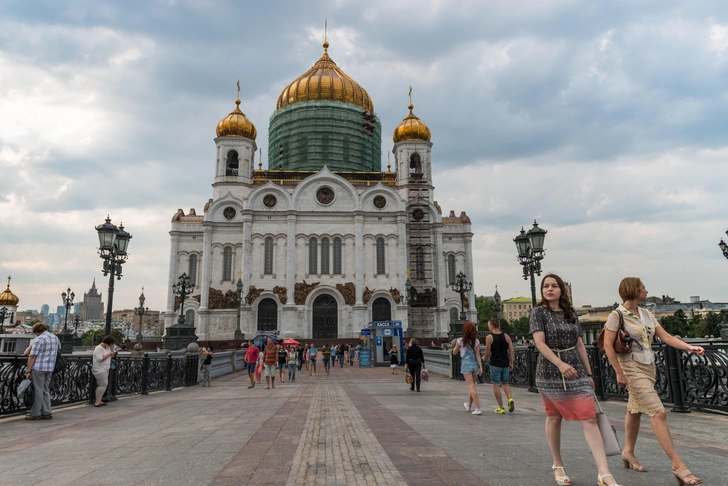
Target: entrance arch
(325,317)
(267,315)
(381,310)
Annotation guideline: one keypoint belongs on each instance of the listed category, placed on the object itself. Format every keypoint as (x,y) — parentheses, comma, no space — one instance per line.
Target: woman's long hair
(569,312)
(470,334)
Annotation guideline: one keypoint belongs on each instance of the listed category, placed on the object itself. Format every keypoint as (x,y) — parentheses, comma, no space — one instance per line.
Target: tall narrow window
(451,268)
(192,271)
(312,256)
(325,256)
(420,263)
(268,256)
(232,163)
(227,264)
(380,256)
(337,256)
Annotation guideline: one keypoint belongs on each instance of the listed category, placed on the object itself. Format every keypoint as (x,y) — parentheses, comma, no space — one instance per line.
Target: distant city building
(77,308)
(151,321)
(45,309)
(91,308)
(517,307)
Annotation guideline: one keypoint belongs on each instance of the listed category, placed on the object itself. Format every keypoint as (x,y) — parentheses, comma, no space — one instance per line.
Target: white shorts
(270,370)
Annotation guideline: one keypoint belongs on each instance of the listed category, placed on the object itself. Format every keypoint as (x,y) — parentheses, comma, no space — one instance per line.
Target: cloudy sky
(606,121)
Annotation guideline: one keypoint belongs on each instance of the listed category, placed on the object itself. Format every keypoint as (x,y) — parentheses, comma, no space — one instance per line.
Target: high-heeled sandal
(561,480)
(681,475)
(601,482)
(633,464)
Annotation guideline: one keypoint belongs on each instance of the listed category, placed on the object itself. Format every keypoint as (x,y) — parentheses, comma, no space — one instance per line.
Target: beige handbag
(609,433)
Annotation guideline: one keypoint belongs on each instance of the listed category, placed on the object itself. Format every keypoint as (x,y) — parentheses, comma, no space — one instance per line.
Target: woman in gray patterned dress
(563,376)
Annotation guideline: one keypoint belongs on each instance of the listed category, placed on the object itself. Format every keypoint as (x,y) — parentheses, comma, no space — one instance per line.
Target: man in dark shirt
(415,360)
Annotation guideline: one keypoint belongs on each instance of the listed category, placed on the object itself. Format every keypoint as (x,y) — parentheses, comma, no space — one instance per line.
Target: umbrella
(290,342)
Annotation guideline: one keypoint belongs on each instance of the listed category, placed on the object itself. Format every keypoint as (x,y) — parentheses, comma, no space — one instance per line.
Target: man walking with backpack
(41,362)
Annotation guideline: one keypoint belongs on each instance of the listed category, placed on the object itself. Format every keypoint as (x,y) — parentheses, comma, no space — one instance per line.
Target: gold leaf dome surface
(8,298)
(236,124)
(411,128)
(325,81)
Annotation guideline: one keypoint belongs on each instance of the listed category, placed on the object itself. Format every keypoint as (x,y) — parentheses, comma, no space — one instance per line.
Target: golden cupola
(8,298)
(236,124)
(411,128)
(325,81)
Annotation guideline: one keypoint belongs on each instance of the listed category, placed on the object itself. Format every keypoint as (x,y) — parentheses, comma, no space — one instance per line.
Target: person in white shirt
(101,365)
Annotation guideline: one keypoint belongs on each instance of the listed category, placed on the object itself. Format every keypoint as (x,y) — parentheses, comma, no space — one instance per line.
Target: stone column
(206,265)
(472,312)
(290,256)
(247,256)
(439,269)
(360,255)
(173,269)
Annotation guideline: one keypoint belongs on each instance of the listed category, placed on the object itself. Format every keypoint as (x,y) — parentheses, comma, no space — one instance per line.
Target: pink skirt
(580,407)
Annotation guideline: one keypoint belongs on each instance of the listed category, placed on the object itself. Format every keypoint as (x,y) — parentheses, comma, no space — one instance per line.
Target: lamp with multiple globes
(530,253)
(113,244)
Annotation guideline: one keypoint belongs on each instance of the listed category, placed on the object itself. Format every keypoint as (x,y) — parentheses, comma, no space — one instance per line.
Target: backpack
(61,362)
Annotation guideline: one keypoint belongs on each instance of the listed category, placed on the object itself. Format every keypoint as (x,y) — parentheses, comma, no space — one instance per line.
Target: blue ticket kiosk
(383,336)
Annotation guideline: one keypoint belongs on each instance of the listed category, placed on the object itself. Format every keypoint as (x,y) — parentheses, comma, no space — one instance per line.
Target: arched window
(380,256)
(451,268)
(312,256)
(268,256)
(325,256)
(420,263)
(267,315)
(453,314)
(337,256)
(192,271)
(381,310)
(232,163)
(227,264)
(415,164)
(190,317)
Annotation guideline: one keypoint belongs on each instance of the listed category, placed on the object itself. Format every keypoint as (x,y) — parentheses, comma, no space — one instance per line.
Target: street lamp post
(66,335)
(113,243)
(530,253)
(140,311)
(462,287)
(181,334)
(239,285)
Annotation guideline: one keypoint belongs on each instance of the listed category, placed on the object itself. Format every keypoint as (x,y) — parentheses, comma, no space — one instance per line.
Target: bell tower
(236,147)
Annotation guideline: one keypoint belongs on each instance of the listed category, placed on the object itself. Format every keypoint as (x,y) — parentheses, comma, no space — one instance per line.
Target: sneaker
(477,412)
(467,408)
(511,405)
(500,410)
(46,417)
(32,417)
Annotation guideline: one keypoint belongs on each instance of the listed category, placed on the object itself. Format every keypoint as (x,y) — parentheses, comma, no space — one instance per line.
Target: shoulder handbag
(622,343)
(609,433)
(61,363)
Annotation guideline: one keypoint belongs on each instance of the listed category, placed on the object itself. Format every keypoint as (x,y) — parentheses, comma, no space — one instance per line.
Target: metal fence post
(191,364)
(170,364)
(91,386)
(675,372)
(145,374)
(598,373)
(532,358)
(113,378)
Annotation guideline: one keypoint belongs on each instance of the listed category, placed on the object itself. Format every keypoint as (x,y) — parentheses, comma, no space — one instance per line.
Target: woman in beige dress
(636,372)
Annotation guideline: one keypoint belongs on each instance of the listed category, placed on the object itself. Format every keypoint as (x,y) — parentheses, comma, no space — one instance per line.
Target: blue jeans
(292,371)
(499,375)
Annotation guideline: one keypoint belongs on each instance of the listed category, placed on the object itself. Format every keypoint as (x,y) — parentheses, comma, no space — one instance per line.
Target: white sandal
(602,483)
(561,480)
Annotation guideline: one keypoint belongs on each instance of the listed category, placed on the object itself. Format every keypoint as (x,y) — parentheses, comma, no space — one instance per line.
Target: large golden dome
(411,128)
(236,124)
(325,81)
(8,298)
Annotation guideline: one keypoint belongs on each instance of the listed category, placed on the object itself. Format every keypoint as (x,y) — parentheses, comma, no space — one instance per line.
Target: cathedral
(323,240)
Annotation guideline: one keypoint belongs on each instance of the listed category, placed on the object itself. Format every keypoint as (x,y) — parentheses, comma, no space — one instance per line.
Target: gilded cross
(9,277)
(410,95)
(238,88)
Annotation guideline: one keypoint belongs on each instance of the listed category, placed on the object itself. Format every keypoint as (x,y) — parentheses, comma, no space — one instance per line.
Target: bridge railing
(76,383)
(683,379)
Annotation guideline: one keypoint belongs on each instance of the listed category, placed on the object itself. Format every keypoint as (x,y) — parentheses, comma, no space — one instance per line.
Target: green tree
(486,310)
(522,327)
(676,324)
(98,335)
(707,325)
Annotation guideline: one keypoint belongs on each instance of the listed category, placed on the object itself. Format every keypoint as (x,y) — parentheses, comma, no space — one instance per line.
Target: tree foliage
(522,327)
(98,335)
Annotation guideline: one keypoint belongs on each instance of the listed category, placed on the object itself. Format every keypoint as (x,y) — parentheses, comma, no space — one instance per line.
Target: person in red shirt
(270,360)
(251,359)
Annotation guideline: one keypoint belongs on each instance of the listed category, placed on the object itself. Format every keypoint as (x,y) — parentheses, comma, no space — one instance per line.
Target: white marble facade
(297,216)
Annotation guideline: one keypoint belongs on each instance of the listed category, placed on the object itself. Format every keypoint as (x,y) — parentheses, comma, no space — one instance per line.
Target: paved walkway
(356,426)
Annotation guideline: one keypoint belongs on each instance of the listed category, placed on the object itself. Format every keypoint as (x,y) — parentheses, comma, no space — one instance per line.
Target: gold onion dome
(411,128)
(8,298)
(236,124)
(325,81)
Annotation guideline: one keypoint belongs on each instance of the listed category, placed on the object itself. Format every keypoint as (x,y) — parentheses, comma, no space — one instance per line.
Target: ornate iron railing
(76,384)
(682,379)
